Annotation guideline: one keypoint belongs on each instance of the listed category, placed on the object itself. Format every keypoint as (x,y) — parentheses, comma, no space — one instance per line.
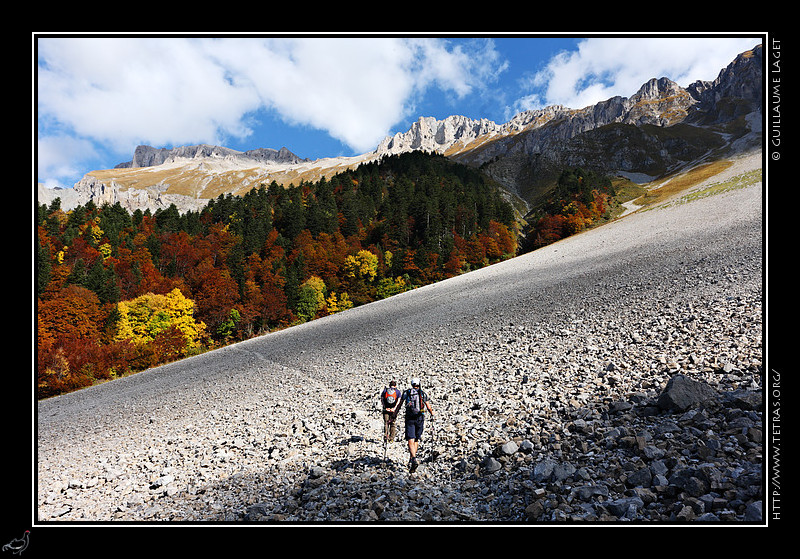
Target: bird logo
(18,545)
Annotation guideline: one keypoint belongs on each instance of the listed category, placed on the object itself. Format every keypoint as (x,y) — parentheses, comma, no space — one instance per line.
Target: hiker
(389,397)
(415,401)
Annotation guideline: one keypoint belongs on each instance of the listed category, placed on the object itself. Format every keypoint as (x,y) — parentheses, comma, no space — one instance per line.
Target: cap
(415,381)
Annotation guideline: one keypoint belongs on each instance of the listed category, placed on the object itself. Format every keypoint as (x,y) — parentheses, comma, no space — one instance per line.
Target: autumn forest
(119,293)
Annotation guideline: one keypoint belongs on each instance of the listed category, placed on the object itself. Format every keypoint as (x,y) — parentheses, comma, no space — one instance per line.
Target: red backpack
(390,396)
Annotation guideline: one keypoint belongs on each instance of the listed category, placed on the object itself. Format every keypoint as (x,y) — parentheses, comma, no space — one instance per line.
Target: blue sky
(98,97)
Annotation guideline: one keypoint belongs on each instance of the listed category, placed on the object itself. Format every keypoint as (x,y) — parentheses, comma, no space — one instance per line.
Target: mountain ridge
(148,156)
(522,154)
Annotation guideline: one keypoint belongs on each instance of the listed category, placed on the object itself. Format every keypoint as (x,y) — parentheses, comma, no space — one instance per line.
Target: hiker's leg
(387,425)
(412,437)
(391,428)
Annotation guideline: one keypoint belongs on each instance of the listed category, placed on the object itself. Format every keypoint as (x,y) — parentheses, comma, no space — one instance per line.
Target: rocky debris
(630,391)
(567,426)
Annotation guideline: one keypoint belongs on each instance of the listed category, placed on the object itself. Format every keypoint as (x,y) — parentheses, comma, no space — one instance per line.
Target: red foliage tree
(73,313)
(214,292)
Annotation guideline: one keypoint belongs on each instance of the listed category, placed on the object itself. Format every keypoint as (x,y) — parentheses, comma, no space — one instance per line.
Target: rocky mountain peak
(741,81)
(430,134)
(148,156)
(659,101)
(656,88)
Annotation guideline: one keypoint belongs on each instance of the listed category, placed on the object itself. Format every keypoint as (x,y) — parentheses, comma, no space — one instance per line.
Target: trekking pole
(433,441)
(385,441)
(385,434)
(387,428)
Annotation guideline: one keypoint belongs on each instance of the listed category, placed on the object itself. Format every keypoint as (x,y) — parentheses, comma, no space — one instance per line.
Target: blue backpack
(414,401)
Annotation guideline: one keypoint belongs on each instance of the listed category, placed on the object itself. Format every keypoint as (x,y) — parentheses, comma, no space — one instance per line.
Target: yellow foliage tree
(338,303)
(96,232)
(105,250)
(143,318)
(363,265)
(388,287)
(311,298)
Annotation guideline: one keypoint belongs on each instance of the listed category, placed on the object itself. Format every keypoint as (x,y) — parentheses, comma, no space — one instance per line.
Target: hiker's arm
(400,401)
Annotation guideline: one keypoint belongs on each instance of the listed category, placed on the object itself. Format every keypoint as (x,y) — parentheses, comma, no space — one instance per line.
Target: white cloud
(459,68)
(354,88)
(602,68)
(122,91)
(57,156)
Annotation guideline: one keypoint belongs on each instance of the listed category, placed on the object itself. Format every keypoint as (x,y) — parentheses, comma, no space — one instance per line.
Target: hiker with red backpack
(416,401)
(389,398)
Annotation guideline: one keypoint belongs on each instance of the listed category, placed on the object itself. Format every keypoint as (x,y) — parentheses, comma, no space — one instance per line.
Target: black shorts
(414,427)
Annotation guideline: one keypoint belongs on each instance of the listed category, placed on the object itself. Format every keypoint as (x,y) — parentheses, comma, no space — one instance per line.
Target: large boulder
(683,393)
